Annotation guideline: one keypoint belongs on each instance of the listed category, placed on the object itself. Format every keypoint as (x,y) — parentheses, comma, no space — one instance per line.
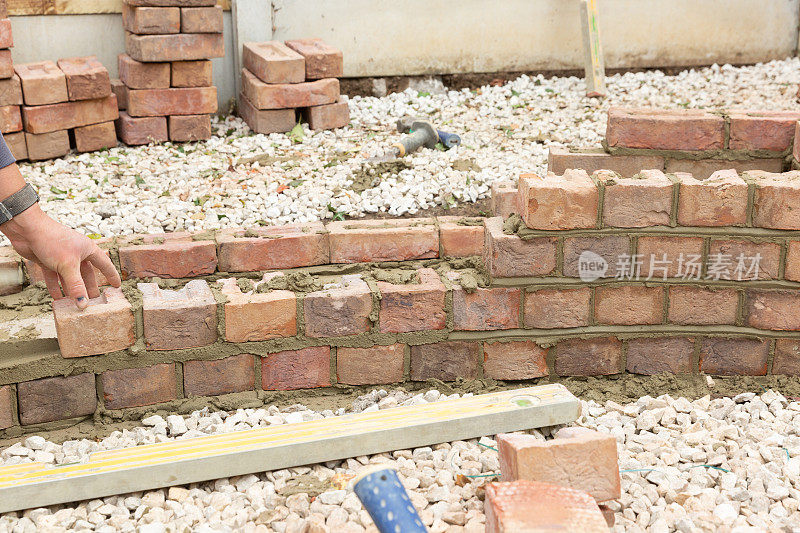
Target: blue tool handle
(387,501)
(448,140)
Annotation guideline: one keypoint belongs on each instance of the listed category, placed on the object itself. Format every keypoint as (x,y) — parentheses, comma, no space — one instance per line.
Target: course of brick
(283,80)
(10,90)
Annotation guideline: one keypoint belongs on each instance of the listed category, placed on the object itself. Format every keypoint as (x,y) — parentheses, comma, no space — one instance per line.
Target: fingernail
(81,298)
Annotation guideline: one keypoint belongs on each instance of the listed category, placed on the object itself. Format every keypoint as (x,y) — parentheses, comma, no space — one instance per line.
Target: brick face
(321,60)
(223,376)
(762,130)
(720,200)
(514,360)
(286,95)
(136,387)
(273,62)
(460,238)
(175,101)
(558,308)
(184,318)
(776,198)
(729,357)
(645,200)
(106,325)
(174,47)
(370,366)
(296,369)
(700,306)
(629,305)
(188,128)
(670,257)
(559,202)
(486,309)
(327,116)
(704,168)
(258,316)
(446,361)
(651,355)
(11,91)
(787,357)
(138,75)
(792,272)
(47,145)
(201,19)
(561,159)
(413,307)
(95,137)
(7,401)
(609,248)
(191,73)
(774,310)
(505,199)
(383,240)
(42,83)
(276,247)
(87,78)
(588,357)
(510,256)
(54,117)
(659,129)
(267,120)
(340,310)
(177,257)
(141,130)
(151,20)
(59,398)
(738,260)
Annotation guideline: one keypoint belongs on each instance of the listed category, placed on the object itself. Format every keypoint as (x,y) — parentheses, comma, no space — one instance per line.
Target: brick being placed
(109,317)
(87,78)
(42,83)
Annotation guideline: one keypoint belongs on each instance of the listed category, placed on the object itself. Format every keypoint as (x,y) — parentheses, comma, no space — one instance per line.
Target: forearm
(11,181)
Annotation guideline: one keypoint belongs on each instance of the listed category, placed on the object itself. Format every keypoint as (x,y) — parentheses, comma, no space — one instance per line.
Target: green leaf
(200,201)
(139,180)
(296,183)
(92,199)
(337,215)
(163,194)
(95,236)
(423,93)
(297,135)
(514,93)
(56,190)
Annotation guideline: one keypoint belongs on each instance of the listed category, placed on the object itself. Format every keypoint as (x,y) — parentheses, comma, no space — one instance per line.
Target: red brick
(12,279)
(413,307)
(7,403)
(272,247)
(255,316)
(704,168)
(50,399)
(6,64)
(47,145)
(174,47)
(184,318)
(792,272)
(137,75)
(137,387)
(222,376)
(175,101)
(724,258)
(583,255)
(297,369)
(66,115)
(660,355)
(661,129)
(266,120)
(557,308)
(201,19)
(169,255)
(273,62)
(559,202)
(730,357)
(383,240)
(486,309)
(121,92)
(328,116)
(645,200)
(286,95)
(185,128)
(670,257)
(6,37)
(446,361)
(42,83)
(787,357)
(509,256)
(588,357)
(505,199)
(461,237)
(191,73)
(106,326)
(141,130)
(720,200)
(10,119)
(87,78)
(4,9)
(151,20)
(16,143)
(342,309)
(514,360)
(370,366)
(775,310)
(11,91)
(559,160)
(629,305)
(762,130)
(776,200)
(698,306)
(172,3)
(95,137)
(796,144)
(321,59)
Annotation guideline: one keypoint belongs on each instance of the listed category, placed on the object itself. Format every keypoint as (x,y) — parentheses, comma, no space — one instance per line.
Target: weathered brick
(559,202)
(796,144)
(558,308)
(383,240)
(738,260)
(670,257)
(486,309)
(588,357)
(321,59)
(16,143)
(151,20)
(629,305)
(42,83)
(787,357)
(505,199)
(297,369)
(201,19)
(792,271)
(87,78)
(47,145)
(49,399)
(6,64)
(106,325)
(775,310)
(660,355)
(446,361)
(266,120)
(593,258)
(222,376)
(11,91)
(137,387)
(327,116)
(700,306)
(141,130)
(661,129)
(254,316)
(7,402)
(184,318)
(174,101)
(720,200)
(174,47)
(285,95)
(730,357)
(273,62)
(762,130)
(342,309)
(704,168)
(67,115)
(644,200)
(191,73)
(12,279)
(559,160)
(172,3)
(509,256)
(4,9)
(514,360)
(272,247)
(167,255)
(370,366)
(95,137)
(776,199)
(185,128)
(121,92)
(415,306)
(461,237)
(10,119)
(6,36)
(137,75)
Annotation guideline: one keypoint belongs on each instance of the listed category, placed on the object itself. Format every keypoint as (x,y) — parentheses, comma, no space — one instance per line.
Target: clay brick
(254,316)
(297,369)
(12,279)
(174,47)
(16,143)
(775,310)
(661,129)
(557,308)
(787,357)
(223,376)
(446,361)
(731,357)
(792,271)
(461,237)
(191,73)
(321,59)
(42,83)
(585,256)
(629,305)
(584,460)
(141,130)
(6,64)
(201,19)
(514,360)
(776,200)
(95,137)
(87,78)
(185,128)
(485,309)
(796,144)
(737,260)
(644,200)
(137,387)
(272,247)
(151,20)
(383,240)
(6,37)
(11,91)
(370,366)
(698,306)
(7,402)
(267,120)
(169,255)
(286,95)
(175,101)
(704,168)
(172,3)
(343,309)
(588,357)
(559,160)
(559,202)
(184,318)
(413,307)
(509,256)
(273,62)
(670,257)
(108,319)
(762,130)
(10,119)
(660,355)
(137,75)
(36,274)
(720,200)
(328,116)
(121,92)
(505,199)
(47,145)
(66,115)
(50,399)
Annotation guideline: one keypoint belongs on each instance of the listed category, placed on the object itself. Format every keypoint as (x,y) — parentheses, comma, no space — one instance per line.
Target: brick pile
(280,80)
(10,91)
(165,85)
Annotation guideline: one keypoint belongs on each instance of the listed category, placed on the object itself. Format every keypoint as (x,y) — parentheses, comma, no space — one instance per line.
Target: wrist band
(17,203)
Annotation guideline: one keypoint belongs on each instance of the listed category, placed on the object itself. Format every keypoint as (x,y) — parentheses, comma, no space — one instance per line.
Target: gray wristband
(17,203)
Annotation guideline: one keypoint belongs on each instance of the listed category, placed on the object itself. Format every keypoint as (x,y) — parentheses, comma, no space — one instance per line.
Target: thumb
(72,284)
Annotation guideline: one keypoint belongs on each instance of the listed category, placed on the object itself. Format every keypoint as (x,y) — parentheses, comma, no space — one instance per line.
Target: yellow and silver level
(186,461)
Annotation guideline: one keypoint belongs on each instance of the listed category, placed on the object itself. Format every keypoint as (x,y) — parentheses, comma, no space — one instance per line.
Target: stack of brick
(280,80)
(10,91)
(165,77)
